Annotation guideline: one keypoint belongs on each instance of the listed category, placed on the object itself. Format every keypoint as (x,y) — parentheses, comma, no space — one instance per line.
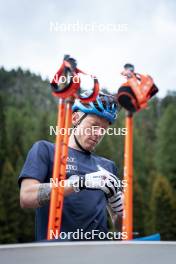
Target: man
(84,203)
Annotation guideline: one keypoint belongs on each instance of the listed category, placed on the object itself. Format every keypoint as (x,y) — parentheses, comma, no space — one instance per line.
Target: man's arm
(34,194)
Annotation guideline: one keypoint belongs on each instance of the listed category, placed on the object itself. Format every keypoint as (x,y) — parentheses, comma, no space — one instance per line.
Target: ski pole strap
(136,92)
(67,81)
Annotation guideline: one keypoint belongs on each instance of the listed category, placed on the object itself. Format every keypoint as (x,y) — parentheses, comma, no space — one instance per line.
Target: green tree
(165,146)
(44,128)
(3,138)
(138,209)
(162,207)
(9,205)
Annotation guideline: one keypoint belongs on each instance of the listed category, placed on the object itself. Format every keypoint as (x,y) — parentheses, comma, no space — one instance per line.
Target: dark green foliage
(3,135)
(163,209)
(9,205)
(138,203)
(27,109)
(166,146)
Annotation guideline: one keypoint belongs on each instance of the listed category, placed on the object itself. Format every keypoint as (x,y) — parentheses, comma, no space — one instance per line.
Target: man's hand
(99,180)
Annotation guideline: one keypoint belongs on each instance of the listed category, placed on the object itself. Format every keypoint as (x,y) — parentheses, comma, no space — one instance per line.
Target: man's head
(90,131)
(91,121)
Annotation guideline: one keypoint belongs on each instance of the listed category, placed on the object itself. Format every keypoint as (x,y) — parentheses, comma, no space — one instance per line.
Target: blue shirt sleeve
(36,164)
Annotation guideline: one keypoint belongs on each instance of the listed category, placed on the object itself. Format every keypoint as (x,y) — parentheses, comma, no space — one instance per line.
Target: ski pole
(67,94)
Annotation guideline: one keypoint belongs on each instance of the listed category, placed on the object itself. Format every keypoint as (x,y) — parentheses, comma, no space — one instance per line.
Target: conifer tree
(162,206)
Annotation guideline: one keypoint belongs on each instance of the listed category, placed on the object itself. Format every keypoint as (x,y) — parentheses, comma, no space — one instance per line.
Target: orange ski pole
(67,96)
(58,204)
(56,169)
(133,96)
(127,223)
